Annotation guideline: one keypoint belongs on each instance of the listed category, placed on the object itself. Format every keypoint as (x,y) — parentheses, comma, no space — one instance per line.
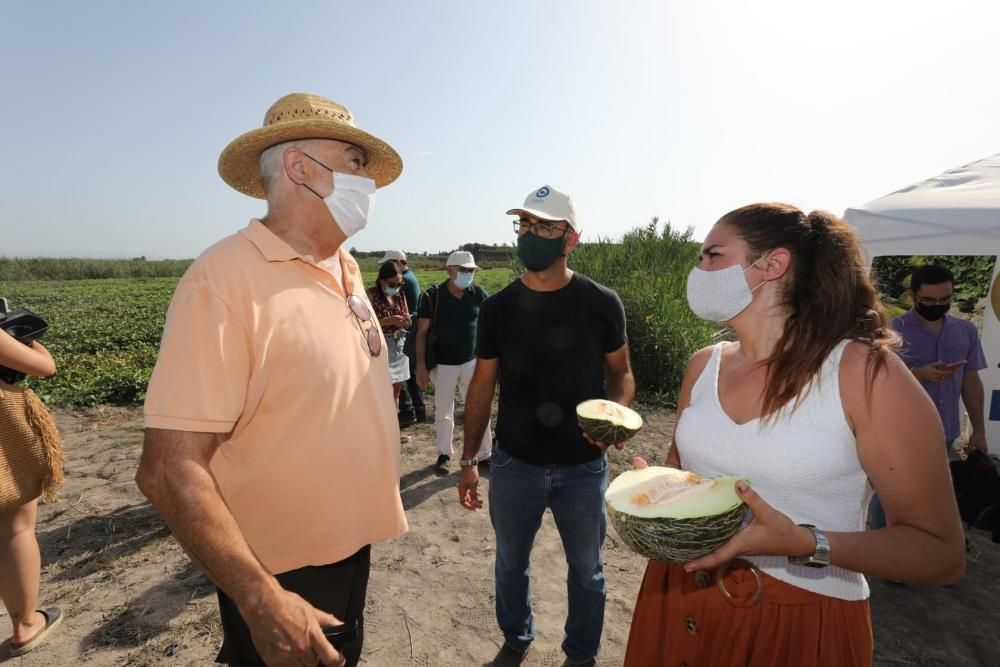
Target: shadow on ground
(94,543)
(150,614)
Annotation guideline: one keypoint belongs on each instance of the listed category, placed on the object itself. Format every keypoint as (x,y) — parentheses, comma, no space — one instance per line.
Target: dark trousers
(338,588)
(411,398)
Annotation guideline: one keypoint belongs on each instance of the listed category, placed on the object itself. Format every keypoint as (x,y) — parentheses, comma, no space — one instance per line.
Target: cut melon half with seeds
(607,421)
(674,515)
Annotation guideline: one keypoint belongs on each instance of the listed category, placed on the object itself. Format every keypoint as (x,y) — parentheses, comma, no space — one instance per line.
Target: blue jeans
(519,493)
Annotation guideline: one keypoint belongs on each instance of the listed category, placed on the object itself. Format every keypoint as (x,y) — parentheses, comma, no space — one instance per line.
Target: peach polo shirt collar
(268,243)
(274,249)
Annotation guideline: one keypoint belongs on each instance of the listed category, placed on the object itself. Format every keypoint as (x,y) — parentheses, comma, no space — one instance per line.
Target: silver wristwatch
(820,557)
(468,463)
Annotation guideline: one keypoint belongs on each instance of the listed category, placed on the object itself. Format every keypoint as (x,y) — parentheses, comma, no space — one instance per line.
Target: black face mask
(537,253)
(932,313)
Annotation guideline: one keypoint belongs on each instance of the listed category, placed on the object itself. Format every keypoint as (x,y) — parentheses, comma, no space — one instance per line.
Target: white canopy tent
(956,213)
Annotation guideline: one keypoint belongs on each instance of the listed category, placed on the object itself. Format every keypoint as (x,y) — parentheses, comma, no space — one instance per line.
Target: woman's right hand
(423,376)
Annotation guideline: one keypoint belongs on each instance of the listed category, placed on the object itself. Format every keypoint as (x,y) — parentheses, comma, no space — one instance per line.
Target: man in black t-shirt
(451,311)
(553,338)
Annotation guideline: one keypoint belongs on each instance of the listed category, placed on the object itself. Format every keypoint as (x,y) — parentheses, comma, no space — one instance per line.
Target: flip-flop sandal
(53,617)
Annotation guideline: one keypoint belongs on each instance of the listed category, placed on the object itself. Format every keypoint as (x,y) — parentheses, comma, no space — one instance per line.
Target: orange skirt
(688,620)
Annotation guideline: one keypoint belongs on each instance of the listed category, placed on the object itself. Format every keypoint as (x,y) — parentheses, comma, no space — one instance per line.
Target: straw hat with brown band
(303,116)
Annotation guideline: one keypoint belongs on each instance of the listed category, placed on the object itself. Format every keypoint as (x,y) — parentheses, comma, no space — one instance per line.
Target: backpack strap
(431,293)
(480,292)
(434,315)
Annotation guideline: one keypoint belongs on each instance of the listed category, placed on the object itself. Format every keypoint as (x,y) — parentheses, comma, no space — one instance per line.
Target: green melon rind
(604,430)
(676,540)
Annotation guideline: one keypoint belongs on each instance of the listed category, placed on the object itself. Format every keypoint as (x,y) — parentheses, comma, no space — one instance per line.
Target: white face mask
(463,280)
(351,202)
(719,296)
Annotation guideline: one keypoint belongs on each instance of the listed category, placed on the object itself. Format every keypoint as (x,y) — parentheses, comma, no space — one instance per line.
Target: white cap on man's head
(547,203)
(462,258)
(396,255)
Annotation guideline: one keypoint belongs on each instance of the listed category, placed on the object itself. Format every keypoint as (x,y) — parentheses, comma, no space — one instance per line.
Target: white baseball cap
(547,203)
(462,258)
(394,255)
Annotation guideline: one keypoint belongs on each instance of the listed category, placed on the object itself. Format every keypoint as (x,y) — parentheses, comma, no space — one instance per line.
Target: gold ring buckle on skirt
(720,575)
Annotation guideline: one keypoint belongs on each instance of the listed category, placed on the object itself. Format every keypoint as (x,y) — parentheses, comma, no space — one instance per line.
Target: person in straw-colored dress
(20,560)
(814,408)
(272,444)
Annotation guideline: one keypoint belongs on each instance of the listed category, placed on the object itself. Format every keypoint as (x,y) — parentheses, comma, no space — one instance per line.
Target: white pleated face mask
(719,296)
(351,202)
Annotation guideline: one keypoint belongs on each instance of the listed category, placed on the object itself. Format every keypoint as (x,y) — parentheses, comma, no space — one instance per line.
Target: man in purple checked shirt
(945,354)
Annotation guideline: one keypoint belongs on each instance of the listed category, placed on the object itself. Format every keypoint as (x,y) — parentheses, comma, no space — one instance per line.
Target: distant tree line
(486,255)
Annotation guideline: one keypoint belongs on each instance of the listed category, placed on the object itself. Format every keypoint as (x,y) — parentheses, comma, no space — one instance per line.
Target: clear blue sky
(114,113)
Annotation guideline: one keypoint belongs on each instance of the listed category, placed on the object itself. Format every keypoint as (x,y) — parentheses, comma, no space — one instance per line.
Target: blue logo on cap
(543,192)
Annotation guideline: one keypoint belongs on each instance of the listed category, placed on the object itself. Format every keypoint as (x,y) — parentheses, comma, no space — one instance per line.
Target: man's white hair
(271,161)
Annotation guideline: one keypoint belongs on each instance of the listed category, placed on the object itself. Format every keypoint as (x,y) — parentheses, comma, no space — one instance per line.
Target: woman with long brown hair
(813,407)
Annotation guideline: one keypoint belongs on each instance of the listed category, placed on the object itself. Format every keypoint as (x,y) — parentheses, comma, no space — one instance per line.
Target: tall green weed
(648,268)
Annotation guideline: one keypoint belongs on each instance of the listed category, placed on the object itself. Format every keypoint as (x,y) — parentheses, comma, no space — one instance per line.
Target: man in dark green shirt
(451,311)
(411,398)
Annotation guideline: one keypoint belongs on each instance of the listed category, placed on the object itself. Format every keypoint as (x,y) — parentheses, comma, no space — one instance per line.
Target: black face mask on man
(538,253)
(932,313)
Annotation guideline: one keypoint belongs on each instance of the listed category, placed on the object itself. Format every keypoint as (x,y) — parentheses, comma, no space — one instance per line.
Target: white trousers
(446,378)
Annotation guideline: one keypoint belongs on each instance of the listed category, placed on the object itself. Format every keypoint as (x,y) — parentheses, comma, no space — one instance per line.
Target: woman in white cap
(394,318)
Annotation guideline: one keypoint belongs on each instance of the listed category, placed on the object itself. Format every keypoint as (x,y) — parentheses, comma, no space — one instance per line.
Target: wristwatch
(468,463)
(820,557)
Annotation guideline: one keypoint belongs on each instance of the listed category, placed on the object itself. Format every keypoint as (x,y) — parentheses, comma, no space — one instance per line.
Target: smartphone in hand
(954,364)
(342,635)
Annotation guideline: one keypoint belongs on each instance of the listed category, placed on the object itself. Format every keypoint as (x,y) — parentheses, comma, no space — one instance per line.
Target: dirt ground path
(131,596)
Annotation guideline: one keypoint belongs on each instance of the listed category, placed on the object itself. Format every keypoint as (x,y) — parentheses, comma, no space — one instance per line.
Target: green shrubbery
(45,268)
(649,268)
(972,278)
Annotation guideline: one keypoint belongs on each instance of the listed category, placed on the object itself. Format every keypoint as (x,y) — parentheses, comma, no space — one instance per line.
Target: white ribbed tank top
(803,463)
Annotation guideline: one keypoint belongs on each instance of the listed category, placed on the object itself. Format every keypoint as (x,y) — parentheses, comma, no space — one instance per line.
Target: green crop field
(106,316)
(105,333)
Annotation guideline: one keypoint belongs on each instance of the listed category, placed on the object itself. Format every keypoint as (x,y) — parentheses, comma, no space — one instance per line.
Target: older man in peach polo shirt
(272,446)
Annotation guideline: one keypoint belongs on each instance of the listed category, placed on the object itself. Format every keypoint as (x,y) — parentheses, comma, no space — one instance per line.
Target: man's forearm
(478,407)
(190,504)
(974,397)
(620,388)
(421,346)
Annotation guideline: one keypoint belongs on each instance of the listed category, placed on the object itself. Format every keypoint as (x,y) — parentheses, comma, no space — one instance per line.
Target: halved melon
(607,421)
(674,515)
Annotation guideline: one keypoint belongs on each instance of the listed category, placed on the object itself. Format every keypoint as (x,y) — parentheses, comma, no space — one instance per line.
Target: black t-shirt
(456,322)
(551,348)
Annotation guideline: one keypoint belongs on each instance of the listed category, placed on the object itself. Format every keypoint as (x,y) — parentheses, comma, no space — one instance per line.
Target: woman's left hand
(771,533)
